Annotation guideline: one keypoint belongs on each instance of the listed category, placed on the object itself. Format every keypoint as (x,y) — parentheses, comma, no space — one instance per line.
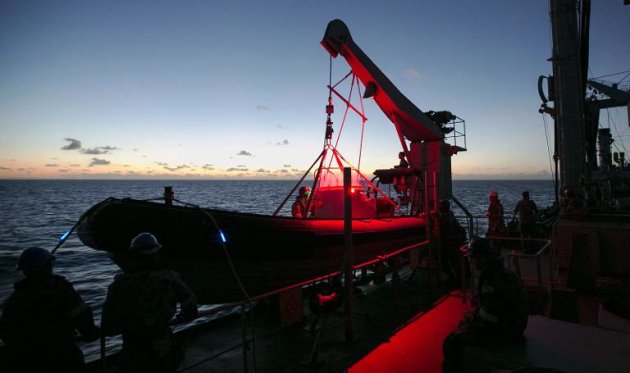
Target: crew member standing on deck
(500,316)
(527,213)
(41,316)
(494,214)
(140,305)
(298,209)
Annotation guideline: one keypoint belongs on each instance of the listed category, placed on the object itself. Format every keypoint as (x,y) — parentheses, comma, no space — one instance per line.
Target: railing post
(245,342)
(347,217)
(103,354)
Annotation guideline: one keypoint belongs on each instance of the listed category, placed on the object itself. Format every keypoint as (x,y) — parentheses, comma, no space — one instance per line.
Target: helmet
(34,259)
(304,191)
(479,247)
(145,243)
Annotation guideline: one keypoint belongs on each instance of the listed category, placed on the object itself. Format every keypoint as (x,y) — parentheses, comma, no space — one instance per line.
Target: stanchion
(348,269)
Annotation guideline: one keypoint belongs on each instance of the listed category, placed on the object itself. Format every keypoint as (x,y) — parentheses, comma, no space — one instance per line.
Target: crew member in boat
(41,316)
(403,162)
(298,209)
(140,304)
(500,314)
(496,226)
(527,212)
(401,182)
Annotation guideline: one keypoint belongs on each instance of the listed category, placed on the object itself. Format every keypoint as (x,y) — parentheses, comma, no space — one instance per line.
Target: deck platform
(398,327)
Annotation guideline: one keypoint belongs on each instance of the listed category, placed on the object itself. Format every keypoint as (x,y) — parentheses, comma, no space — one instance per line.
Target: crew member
(403,162)
(298,209)
(527,213)
(500,317)
(41,316)
(140,305)
(494,214)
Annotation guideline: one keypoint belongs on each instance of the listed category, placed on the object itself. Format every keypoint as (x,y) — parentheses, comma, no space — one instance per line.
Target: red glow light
(418,346)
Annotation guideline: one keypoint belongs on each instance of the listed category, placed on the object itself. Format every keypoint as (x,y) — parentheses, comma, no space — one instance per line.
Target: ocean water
(39,212)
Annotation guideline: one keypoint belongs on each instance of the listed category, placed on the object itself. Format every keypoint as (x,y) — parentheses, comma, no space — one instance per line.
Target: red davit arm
(412,122)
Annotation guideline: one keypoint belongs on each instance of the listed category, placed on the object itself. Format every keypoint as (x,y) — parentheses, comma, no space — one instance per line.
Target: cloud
(286,166)
(412,73)
(98,150)
(236,169)
(208,167)
(74,144)
(262,107)
(99,162)
(5,168)
(283,142)
(180,167)
(241,165)
(161,163)
(51,165)
(245,153)
(280,126)
(262,170)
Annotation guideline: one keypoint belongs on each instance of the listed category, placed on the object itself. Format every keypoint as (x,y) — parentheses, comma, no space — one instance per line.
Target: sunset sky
(237,89)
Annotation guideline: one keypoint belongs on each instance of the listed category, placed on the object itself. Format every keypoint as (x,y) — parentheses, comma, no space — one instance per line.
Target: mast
(569,94)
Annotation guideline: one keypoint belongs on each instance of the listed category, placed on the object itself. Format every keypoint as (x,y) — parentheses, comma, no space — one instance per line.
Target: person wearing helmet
(298,209)
(140,304)
(496,226)
(500,315)
(41,316)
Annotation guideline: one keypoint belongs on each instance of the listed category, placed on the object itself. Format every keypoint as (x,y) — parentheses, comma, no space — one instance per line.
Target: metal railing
(246,307)
(514,258)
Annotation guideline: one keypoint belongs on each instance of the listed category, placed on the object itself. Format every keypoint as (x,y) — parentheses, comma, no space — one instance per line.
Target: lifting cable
(614,125)
(348,107)
(553,177)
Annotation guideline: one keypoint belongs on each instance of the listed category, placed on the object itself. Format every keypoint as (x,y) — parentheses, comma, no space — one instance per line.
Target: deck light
(222,237)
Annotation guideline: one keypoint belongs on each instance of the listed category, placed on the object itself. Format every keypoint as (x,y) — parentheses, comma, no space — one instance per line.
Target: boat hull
(266,252)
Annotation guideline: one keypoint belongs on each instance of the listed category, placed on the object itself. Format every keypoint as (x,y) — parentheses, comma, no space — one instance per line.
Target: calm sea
(38,212)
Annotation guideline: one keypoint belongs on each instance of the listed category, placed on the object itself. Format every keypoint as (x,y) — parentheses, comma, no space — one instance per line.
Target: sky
(237,89)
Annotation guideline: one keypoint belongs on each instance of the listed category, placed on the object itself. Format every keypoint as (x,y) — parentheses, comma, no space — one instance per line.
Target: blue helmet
(480,247)
(34,259)
(145,243)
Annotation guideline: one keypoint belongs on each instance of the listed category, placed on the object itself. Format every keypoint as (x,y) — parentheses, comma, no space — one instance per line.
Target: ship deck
(397,326)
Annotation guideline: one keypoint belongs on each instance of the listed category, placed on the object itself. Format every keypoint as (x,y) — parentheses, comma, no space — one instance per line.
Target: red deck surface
(419,343)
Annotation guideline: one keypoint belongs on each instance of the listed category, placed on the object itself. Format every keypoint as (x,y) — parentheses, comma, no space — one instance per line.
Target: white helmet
(145,243)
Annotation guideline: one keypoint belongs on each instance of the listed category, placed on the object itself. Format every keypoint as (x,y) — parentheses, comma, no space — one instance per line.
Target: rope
(618,136)
(619,73)
(548,150)
(67,235)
